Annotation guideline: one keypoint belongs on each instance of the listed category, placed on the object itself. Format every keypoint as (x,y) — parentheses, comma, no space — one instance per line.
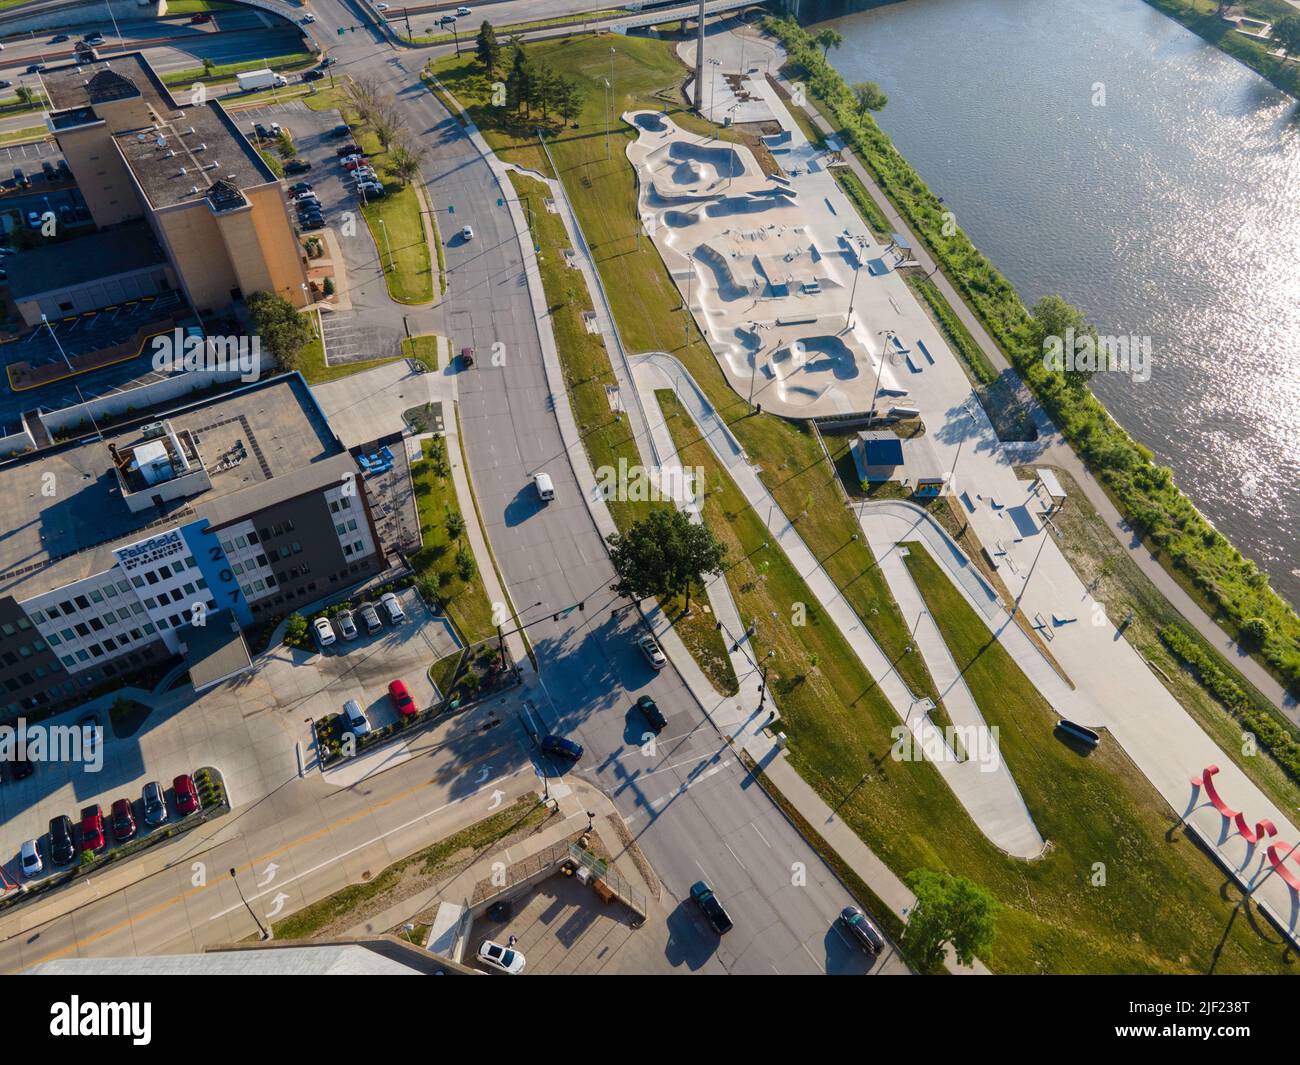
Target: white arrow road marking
(361,846)
(483,774)
(497,795)
(277,905)
(269,873)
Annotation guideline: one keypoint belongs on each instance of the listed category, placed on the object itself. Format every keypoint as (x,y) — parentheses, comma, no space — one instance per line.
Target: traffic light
(451,208)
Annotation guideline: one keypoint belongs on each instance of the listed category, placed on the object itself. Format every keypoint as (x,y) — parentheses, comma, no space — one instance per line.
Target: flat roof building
(246,503)
(215,207)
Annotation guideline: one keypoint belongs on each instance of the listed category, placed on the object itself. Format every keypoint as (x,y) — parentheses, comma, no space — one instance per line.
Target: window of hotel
(96,596)
(7,629)
(138,581)
(151,577)
(110,591)
(54,640)
(122,586)
(81,601)
(38,617)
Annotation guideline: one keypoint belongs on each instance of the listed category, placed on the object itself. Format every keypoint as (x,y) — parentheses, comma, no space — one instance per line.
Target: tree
(26,94)
(208,65)
(545,89)
(519,82)
(455,523)
(570,99)
(664,554)
(404,164)
(1068,343)
(466,567)
(869,97)
(488,48)
(1286,31)
(828,39)
(279,326)
(949,909)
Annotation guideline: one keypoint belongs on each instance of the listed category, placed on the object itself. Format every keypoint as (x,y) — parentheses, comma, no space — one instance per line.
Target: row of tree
(528,85)
(378,110)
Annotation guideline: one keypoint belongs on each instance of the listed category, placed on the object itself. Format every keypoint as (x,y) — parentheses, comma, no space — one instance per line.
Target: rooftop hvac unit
(200,148)
(211,166)
(153,430)
(181,172)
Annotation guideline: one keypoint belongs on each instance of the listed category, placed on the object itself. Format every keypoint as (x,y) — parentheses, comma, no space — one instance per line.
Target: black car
(297,166)
(62,848)
(859,926)
(712,909)
(312,75)
(94,38)
(315,222)
(328,61)
(36,68)
(48,169)
(299,187)
(21,180)
(338,131)
(650,709)
(58,38)
(561,748)
(82,212)
(5,84)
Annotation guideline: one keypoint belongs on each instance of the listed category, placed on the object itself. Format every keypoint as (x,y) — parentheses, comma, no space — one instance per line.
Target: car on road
(328,61)
(62,846)
(650,648)
(324,631)
(297,166)
(187,795)
(36,68)
(651,712)
(467,234)
(463,11)
(503,959)
(347,627)
(402,701)
(308,19)
(89,726)
(200,18)
(5,84)
(545,487)
(355,720)
(299,187)
(94,37)
(59,38)
(447,20)
(714,912)
(92,829)
(371,617)
(30,856)
(559,747)
(381,7)
(123,820)
(153,801)
(393,608)
(864,933)
(313,75)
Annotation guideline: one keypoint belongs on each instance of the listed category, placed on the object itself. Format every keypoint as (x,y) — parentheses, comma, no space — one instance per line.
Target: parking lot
(250,728)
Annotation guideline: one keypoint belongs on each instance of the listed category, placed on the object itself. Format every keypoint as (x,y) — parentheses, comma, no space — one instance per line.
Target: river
(1098,149)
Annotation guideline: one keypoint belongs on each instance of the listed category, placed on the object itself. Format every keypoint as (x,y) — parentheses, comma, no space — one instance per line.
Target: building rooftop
(74,262)
(65,512)
(76,85)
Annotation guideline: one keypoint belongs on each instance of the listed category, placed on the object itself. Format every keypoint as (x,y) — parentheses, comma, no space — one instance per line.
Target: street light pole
(257,920)
(699,63)
(606,80)
(690,277)
(886,333)
(857,267)
(391,264)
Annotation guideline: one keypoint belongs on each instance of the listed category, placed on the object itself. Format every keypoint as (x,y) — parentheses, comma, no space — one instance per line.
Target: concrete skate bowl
(724,281)
(816,355)
(650,122)
(679,219)
(730,206)
(684,166)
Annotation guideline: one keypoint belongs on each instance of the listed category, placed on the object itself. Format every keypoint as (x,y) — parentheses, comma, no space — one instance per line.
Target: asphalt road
(693,811)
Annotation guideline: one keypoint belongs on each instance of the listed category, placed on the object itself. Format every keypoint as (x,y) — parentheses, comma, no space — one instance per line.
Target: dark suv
(62,847)
(712,909)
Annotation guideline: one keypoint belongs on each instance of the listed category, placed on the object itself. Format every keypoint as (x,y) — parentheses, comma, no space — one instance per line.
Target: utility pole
(886,333)
(857,268)
(606,80)
(265,934)
(686,326)
(699,64)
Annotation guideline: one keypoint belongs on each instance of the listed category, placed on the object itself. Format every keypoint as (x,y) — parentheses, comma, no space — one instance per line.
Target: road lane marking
(759,834)
(734,855)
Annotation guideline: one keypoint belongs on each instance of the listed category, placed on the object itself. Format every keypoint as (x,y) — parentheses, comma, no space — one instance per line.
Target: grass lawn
(11,105)
(21,136)
(311,360)
(606,436)
(523,815)
(432,35)
(466,602)
(193,7)
(1163,906)
(648,307)
(1096,555)
(424,349)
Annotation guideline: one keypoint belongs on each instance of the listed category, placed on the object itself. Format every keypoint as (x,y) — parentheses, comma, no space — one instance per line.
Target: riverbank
(1202,18)
(1228,586)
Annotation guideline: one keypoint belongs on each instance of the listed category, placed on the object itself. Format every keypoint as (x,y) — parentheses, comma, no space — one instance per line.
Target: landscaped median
(1230,587)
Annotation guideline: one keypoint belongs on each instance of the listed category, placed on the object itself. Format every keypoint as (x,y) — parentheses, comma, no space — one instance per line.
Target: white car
(393,608)
(324,631)
(651,650)
(467,233)
(357,722)
(462,11)
(503,959)
(30,854)
(308,19)
(382,7)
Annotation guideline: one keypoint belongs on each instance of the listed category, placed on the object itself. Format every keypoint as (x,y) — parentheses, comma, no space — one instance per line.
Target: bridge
(673,14)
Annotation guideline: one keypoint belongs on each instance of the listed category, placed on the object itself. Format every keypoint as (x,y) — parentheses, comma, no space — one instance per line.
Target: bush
(1256,631)
(296,633)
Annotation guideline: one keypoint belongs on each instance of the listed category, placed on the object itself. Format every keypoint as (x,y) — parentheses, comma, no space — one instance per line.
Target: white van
(545,489)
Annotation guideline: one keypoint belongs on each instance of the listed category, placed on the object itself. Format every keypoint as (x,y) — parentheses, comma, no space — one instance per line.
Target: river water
(1098,149)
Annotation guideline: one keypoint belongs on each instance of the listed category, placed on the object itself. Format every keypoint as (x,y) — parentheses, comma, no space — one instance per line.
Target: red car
(123,820)
(92,828)
(200,18)
(402,699)
(187,797)
(352,164)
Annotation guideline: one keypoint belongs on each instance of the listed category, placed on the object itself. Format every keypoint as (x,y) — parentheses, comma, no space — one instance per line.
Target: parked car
(187,795)
(503,959)
(313,75)
(347,627)
(123,820)
(352,162)
(650,648)
(30,856)
(62,847)
(324,631)
(82,212)
(21,180)
(355,719)
(467,233)
(297,166)
(341,130)
(299,187)
(344,150)
(713,910)
(651,712)
(200,18)
(65,171)
(369,189)
(92,829)
(49,170)
(371,617)
(864,933)
(561,747)
(153,801)
(402,701)
(392,608)
(312,222)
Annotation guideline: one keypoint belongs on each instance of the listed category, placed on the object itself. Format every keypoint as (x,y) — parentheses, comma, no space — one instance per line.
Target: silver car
(154,801)
(347,625)
(371,617)
(357,722)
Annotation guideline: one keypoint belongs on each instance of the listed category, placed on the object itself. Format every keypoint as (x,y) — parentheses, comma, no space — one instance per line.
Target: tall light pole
(887,334)
(699,63)
(256,919)
(690,277)
(713,91)
(391,264)
(607,92)
(857,268)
